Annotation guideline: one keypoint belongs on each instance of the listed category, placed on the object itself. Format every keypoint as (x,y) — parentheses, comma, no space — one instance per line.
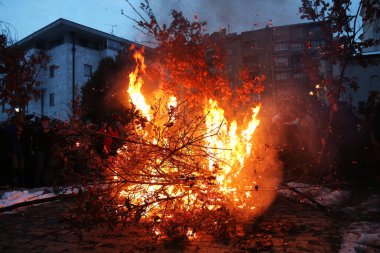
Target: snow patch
(19,196)
(323,195)
(361,236)
(15,197)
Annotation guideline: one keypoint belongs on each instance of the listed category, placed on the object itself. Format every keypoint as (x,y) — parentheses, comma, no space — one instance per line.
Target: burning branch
(184,165)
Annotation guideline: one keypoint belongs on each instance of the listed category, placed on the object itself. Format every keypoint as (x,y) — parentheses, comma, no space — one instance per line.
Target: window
(374,83)
(87,70)
(2,106)
(281,61)
(282,76)
(296,61)
(280,47)
(51,71)
(315,31)
(298,75)
(297,45)
(251,44)
(317,44)
(114,45)
(51,99)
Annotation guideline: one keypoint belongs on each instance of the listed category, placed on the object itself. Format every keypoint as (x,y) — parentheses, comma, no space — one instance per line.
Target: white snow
(18,196)
(361,236)
(323,195)
(15,197)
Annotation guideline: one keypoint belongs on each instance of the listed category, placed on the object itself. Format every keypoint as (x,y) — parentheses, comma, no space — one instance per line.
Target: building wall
(58,39)
(233,59)
(291,44)
(277,53)
(371,30)
(368,79)
(57,92)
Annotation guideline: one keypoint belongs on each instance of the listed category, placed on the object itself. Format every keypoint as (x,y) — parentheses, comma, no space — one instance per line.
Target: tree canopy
(343,20)
(101,94)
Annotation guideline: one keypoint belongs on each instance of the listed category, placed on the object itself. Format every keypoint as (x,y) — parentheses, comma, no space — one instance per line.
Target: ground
(288,226)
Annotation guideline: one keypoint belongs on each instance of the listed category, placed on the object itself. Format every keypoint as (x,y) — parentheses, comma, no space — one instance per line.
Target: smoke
(263,168)
(237,15)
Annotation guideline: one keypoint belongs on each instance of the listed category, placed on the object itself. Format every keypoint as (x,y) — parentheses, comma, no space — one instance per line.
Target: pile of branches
(159,176)
(162,182)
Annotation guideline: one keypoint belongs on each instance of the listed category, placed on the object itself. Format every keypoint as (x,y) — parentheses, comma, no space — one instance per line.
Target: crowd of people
(313,145)
(34,153)
(26,152)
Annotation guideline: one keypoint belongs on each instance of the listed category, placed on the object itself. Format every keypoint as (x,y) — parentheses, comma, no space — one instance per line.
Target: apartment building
(279,54)
(75,52)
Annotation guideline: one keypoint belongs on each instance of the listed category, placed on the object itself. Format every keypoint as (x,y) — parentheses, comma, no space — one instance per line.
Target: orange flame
(229,144)
(135,84)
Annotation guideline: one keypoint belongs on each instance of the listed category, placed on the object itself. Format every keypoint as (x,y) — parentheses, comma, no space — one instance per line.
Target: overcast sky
(28,16)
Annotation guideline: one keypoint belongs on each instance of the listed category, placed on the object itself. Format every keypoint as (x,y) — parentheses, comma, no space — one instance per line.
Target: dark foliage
(103,92)
(342,22)
(18,74)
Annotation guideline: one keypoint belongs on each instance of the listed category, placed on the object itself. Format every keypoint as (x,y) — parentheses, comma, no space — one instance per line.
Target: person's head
(45,122)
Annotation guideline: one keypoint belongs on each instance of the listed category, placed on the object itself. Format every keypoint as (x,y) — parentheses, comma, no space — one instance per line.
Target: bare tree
(18,71)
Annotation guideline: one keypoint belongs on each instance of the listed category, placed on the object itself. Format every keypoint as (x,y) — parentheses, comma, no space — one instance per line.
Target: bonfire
(192,160)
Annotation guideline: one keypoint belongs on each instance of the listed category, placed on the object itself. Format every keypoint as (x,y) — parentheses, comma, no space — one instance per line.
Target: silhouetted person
(5,160)
(350,159)
(109,133)
(28,168)
(17,152)
(41,148)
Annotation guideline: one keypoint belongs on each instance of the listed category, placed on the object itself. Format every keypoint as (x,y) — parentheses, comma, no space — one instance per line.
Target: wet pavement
(288,226)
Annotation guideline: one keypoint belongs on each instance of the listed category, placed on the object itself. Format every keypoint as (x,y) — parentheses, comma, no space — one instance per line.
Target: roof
(303,24)
(60,26)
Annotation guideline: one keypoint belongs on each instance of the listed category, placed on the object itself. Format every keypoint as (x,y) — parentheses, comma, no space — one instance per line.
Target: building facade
(75,52)
(371,29)
(278,53)
(366,80)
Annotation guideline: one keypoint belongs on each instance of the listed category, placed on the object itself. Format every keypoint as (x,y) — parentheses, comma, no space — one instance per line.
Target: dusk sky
(28,16)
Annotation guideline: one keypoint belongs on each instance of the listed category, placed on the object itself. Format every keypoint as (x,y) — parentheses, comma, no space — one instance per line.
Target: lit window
(51,99)
(87,70)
